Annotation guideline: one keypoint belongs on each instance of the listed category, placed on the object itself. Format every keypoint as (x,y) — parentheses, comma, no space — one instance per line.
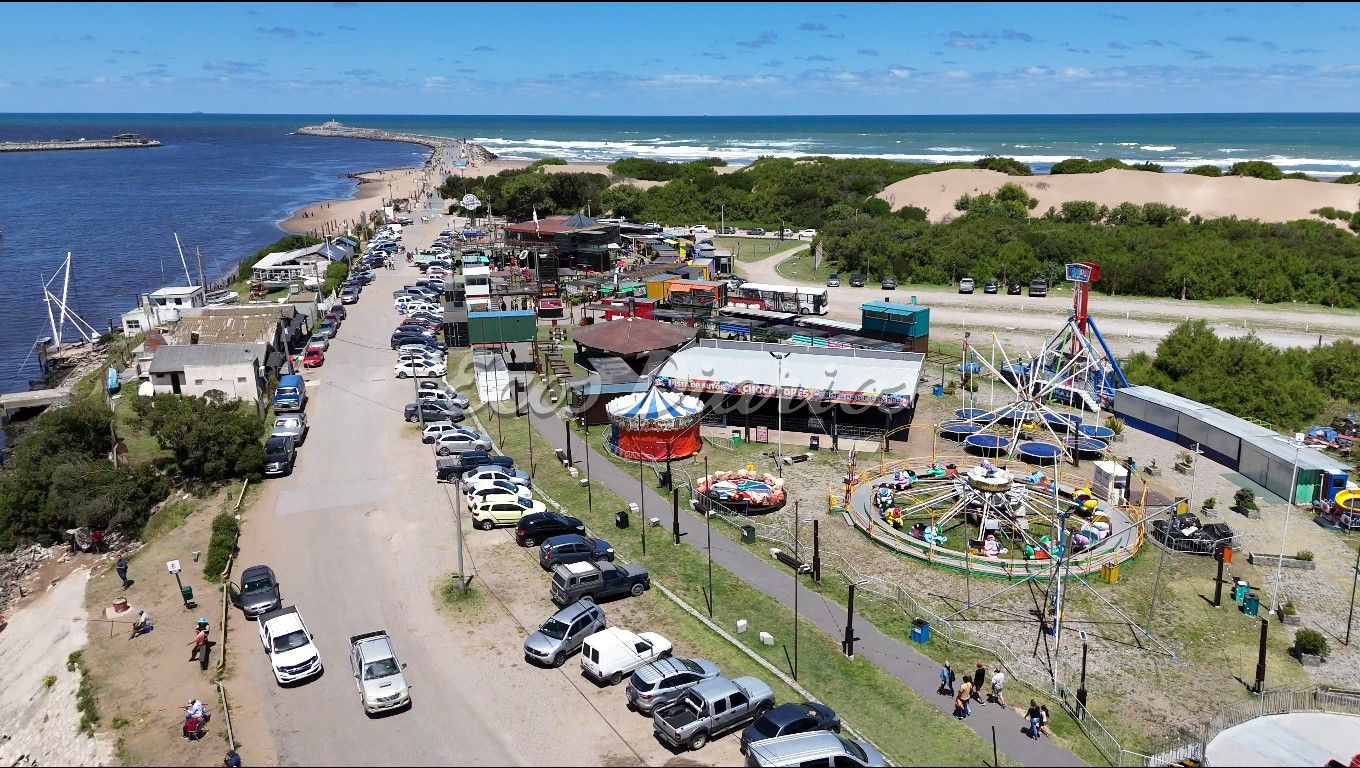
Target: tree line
(1289,389)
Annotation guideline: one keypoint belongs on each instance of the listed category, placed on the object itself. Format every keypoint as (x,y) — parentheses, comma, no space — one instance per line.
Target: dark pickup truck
(451,469)
(597,581)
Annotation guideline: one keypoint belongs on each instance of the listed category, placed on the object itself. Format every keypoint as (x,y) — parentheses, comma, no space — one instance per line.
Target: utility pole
(675,516)
(848,644)
(816,553)
(458,527)
(779,411)
(796,571)
(590,499)
(1355,572)
(642,505)
(1261,658)
(708,532)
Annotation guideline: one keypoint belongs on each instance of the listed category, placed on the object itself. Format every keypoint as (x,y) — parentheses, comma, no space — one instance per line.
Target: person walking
(200,641)
(122,567)
(961,703)
(979,680)
(998,682)
(1036,717)
(946,679)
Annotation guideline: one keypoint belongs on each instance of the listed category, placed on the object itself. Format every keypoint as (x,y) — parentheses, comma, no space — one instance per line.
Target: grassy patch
(752,249)
(799,269)
(458,601)
(169,517)
(85,696)
(226,529)
(866,696)
(48,681)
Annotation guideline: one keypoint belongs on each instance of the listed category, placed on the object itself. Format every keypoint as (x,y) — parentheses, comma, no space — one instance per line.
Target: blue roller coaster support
(1118,372)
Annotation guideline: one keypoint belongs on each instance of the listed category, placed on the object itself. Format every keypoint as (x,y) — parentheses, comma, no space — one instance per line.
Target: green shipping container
(502,327)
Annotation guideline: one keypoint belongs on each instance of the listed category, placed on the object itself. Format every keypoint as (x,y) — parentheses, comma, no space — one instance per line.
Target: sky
(681,58)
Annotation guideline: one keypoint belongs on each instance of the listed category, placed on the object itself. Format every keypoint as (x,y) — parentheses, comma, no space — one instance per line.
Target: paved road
(1128,324)
(360,534)
(918,672)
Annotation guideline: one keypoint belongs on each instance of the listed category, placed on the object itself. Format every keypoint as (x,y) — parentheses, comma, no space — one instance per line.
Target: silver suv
(661,682)
(293,425)
(563,633)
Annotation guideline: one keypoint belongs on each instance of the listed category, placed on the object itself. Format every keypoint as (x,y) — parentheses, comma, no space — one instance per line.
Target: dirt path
(1129,324)
(39,724)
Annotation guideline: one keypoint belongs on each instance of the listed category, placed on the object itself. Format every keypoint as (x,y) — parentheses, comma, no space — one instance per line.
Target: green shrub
(1355,222)
(1299,175)
(1350,178)
(336,272)
(1311,641)
(1210,503)
(1205,170)
(1245,499)
(1148,166)
(1007,165)
(1335,214)
(1304,554)
(547,161)
(48,681)
(225,531)
(1289,609)
(1082,165)
(1256,169)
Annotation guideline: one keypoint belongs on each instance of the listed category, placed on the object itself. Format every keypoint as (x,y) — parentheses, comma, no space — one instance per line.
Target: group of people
(970,690)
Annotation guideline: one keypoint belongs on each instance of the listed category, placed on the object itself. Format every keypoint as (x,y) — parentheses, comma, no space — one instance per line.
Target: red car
(313,359)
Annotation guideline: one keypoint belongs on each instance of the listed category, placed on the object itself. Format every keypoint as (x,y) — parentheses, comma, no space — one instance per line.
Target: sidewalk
(918,672)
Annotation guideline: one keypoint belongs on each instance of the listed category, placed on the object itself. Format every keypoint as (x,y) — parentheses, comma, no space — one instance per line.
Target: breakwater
(475,154)
(62,145)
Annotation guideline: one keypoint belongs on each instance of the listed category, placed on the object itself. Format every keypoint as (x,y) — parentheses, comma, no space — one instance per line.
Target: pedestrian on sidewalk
(200,642)
(961,704)
(121,567)
(979,680)
(1036,717)
(946,680)
(998,682)
(1043,720)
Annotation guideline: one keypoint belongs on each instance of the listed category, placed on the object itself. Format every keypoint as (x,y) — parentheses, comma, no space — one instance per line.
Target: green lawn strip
(867,697)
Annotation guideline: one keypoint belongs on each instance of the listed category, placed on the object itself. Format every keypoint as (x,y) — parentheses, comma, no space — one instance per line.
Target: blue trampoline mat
(970,413)
(1096,431)
(988,442)
(1038,449)
(958,429)
(1086,444)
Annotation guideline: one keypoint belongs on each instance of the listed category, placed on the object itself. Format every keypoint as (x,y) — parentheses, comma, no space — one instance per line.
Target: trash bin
(1253,604)
(814,443)
(748,534)
(187,592)
(736,437)
(621,518)
(1240,590)
(937,390)
(920,631)
(1109,573)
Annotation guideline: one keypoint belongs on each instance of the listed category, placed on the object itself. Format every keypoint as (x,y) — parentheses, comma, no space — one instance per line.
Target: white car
(292,656)
(458,441)
(612,653)
(412,368)
(424,358)
(494,472)
(786,233)
(698,229)
(478,491)
(417,306)
(433,429)
(807,234)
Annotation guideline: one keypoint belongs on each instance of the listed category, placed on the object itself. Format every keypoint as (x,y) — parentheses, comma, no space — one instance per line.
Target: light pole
(1081,690)
(590,499)
(1289,507)
(779,411)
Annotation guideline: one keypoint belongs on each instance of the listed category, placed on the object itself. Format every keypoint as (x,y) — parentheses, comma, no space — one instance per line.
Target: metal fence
(1279,701)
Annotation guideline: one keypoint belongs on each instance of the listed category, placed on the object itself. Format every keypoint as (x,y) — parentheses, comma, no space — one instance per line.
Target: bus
(780,298)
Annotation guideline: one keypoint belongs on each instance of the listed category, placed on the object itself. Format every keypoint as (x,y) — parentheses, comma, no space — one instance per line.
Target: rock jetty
(130,141)
(475,154)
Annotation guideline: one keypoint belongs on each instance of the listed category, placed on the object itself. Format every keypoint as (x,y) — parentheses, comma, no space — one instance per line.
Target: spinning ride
(743,492)
(655,425)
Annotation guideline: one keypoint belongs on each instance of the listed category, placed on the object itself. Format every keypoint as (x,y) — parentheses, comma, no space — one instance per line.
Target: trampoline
(1062,420)
(988,443)
(1086,444)
(970,414)
(1038,451)
(1096,432)
(958,430)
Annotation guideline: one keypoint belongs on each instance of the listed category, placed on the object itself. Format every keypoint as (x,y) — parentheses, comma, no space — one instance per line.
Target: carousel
(655,426)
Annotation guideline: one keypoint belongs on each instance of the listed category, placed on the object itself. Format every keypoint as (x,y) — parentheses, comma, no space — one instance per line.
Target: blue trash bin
(1253,604)
(920,631)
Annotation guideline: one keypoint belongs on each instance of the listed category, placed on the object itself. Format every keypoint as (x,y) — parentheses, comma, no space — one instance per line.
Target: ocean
(223,182)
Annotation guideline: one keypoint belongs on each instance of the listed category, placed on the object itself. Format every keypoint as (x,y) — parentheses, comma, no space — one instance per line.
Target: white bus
(780,298)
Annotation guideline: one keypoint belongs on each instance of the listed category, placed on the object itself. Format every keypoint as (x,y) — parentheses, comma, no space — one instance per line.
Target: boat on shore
(221,298)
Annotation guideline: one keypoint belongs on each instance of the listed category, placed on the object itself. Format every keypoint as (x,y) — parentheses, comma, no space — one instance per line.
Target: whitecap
(1154,148)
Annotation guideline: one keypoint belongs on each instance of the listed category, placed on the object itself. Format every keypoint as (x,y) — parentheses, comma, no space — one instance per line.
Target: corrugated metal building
(1265,457)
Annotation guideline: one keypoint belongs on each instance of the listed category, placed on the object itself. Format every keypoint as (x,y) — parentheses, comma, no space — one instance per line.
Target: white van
(611,653)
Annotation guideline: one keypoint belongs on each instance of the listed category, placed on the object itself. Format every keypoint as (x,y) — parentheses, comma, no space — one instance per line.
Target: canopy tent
(655,425)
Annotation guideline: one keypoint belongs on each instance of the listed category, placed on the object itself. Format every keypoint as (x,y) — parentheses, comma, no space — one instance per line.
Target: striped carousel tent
(655,425)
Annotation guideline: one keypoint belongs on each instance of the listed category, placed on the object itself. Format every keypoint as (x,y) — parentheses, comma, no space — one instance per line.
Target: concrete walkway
(920,673)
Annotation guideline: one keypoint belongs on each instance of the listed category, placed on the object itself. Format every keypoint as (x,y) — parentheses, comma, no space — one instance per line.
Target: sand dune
(1246,198)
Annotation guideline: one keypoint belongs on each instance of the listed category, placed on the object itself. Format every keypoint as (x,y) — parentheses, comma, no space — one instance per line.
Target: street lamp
(1081,689)
(779,411)
(1289,506)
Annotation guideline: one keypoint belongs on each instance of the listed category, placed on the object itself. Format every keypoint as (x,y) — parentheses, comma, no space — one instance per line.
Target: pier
(476,153)
(38,398)
(124,141)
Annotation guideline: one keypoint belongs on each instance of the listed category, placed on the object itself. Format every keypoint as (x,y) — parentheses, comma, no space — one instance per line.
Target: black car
(856,280)
(788,719)
(258,593)
(1038,287)
(538,526)
(417,338)
(990,287)
(755,231)
(727,230)
(451,468)
(1013,289)
(338,311)
(433,410)
(279,455)
(889,283)
(572,548)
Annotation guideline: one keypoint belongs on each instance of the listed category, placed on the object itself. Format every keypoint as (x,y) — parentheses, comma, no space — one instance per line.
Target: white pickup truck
(292,656)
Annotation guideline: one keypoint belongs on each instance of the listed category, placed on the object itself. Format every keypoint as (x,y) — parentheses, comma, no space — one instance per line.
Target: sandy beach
(1246,198)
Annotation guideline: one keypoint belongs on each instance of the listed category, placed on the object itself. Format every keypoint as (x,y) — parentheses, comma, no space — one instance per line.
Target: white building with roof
(162,307)
(195,369)
(302,265)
